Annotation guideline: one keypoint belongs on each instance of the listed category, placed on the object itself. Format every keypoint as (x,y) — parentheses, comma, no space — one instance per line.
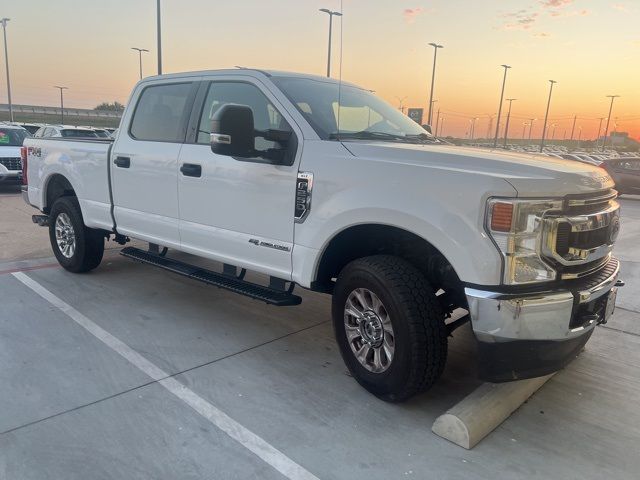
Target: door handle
(191,170)
(122,162)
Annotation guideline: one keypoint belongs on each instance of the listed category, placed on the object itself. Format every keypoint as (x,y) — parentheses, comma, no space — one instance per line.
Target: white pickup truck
(325,186)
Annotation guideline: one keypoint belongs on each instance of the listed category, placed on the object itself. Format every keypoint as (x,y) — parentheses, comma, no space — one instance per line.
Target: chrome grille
(13,163)
(579,240)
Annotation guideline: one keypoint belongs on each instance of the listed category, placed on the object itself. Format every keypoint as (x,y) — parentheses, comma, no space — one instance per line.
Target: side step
(272,296)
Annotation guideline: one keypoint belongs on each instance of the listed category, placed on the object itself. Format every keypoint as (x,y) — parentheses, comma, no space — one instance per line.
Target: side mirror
(427,127)
(232,131)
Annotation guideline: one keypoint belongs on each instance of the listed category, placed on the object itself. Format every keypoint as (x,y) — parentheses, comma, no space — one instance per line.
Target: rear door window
(161,113)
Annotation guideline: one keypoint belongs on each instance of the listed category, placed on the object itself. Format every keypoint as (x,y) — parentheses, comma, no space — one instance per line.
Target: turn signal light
(501,217)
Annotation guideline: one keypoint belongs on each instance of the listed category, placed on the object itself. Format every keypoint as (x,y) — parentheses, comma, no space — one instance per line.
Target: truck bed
(84,163)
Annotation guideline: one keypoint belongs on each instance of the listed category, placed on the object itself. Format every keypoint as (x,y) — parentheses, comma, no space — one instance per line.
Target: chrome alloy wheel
(65,235)
(369,330)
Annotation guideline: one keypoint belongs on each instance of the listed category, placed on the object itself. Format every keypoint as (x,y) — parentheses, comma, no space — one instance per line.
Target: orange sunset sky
(591,47)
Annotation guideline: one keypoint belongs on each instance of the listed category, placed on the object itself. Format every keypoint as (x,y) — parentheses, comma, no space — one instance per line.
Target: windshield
(12,137)
(361,115)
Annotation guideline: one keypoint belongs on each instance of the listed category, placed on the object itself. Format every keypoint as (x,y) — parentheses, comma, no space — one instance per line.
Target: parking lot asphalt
(132,372)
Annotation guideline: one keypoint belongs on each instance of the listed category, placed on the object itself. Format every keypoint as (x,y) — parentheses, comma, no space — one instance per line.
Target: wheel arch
(365,239)
(55,186)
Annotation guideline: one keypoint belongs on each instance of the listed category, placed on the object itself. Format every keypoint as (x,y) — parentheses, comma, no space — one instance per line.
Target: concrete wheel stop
(480,412)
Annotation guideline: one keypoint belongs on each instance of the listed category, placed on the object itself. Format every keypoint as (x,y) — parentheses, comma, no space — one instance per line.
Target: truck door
(238,211)
(144,162)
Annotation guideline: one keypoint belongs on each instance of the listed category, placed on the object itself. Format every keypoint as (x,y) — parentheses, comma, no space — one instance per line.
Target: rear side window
(12,137)
(160,113)
(73,133)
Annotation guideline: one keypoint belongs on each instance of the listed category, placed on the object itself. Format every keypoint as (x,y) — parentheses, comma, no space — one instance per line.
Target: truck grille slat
(579,240)
(12,163)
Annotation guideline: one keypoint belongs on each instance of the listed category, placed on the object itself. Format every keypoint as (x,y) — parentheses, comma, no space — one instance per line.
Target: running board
(268,295)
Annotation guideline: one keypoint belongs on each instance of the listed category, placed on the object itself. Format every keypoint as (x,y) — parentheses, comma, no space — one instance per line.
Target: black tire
(418,326)
(89,243)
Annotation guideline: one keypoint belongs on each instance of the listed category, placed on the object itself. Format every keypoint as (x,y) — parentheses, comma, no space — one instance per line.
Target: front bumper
(533,334)
(11,176)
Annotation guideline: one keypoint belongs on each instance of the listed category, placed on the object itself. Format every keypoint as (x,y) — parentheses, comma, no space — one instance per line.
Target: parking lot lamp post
(441,127)
(331,14)
(606,129)
(531,120)
(433,79)
(61,103)
(524,129)
(506,128)
(159,35)
(401,101)
(504,81)
(6,62)
(546,115)
(140,50)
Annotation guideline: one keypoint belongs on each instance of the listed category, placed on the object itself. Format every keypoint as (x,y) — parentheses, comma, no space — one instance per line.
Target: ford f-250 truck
(321,184)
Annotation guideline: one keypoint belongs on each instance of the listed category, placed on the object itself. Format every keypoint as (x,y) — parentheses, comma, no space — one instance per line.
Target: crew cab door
(144,162)
(238,210)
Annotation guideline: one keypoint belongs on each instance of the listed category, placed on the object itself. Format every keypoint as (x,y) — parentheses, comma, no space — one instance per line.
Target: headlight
(516,228)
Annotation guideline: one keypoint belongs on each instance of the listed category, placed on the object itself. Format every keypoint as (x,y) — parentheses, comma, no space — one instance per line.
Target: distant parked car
(625,171)
(11,138)
(31,127)
(65,131)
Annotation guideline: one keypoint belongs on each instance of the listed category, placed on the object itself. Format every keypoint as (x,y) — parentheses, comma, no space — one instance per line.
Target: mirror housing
(232,131)
(427,127)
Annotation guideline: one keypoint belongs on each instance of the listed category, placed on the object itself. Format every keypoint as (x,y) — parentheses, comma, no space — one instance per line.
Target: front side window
(265,115)
(160,113)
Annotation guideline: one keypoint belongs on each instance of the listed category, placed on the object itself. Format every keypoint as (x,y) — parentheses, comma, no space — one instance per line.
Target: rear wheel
(389,327)
(77,248)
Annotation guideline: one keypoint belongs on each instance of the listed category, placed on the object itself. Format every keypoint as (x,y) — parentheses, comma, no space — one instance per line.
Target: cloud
(542,35)
(555,3)
(520,20)
(410,14)
(620,7)
(570,13)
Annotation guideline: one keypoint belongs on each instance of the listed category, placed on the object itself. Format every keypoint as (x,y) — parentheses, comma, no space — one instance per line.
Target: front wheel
(77,248)
(389,327)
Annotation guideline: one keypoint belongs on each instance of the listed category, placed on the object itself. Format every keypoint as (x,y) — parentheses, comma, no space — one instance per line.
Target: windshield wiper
(368,135)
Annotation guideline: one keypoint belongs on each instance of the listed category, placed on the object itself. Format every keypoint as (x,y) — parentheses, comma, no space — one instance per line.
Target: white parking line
(245,437)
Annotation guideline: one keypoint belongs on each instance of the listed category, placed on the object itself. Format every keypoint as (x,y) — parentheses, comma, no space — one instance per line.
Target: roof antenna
(340,74)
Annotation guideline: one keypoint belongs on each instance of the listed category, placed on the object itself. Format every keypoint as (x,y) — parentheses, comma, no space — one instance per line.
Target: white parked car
(330,188)
(64,131)
(11,139)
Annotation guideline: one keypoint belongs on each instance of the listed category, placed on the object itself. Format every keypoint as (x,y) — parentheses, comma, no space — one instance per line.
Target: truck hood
(529,174)
(9,152)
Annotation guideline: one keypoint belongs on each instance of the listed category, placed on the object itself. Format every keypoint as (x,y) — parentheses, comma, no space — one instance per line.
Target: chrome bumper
(506,317)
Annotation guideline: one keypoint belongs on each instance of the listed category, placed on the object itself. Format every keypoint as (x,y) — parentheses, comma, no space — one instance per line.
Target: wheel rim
(369,330)
(65,235)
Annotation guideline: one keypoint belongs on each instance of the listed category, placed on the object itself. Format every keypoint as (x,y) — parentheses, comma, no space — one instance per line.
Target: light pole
(431,108)
(473,127)
(524,129)
(433,78)
(140,50)
(504,81)
(441,127)
(546,115)
(159,34)
(579,135)
(606,129)
(6,60)
(531,120)
(61,103)
(506,128)
(437,121)
(553,132)
(599,129)
(331,14)
(401,101)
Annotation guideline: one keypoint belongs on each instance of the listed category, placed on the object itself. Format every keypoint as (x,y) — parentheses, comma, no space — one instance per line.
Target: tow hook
(620,283)
(42,220)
